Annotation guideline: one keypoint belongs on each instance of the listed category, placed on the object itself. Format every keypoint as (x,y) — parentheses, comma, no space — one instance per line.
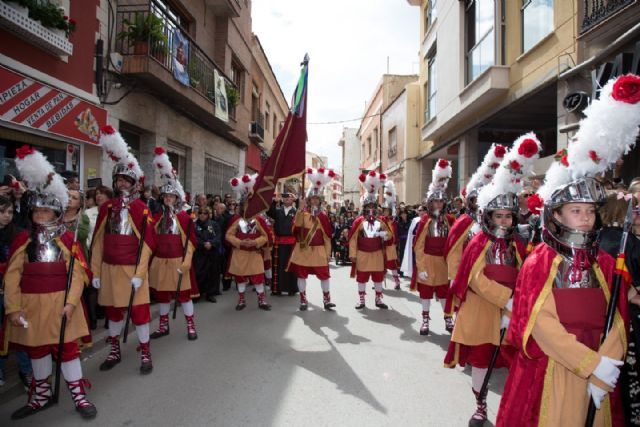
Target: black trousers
(206,265)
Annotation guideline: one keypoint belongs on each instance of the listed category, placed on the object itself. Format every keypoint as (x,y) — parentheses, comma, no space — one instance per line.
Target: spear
(615,294)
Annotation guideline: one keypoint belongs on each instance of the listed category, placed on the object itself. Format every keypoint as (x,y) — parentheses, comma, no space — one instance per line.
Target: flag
(287,158)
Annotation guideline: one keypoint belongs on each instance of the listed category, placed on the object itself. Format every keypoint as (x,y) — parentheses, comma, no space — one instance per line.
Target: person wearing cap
(312,230)
(35,289)
(175,238)
(367,239)
(489,266)
(432,278)
(565,286)
(116,268)
(388,216)
(246,239)
(284,241)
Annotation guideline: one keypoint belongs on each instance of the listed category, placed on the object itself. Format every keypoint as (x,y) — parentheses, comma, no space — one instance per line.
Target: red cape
(458,230)
(137,211)
(476,247)
(522,396)
(393,226)
(424,222)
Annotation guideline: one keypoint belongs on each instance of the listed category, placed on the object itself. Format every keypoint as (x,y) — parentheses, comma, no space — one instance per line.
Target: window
(275,124)
(393,142)
(426,101)
(432,12)
(537,21)
(217,176)
(266,120)
(375,145)
(369,146)
(237,77)
(432,82)
(480,17)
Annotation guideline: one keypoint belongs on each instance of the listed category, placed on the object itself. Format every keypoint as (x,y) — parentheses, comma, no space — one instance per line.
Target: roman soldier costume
(312,230)
(35,290)
(247,237)
(565,285)
(115,246)
(432,278)
(391,245)
(367,239)
(485,280)
(284,241)
(175,243)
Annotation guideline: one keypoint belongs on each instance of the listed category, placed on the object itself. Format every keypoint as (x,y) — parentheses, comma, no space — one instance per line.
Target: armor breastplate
(43,247)
(118,221)
(168,224)
(563,277)
(370,229)
(438,227)
(247,227)
(499,254)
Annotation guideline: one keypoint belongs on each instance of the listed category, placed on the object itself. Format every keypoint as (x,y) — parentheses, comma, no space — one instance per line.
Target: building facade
(489,73)
(350,150)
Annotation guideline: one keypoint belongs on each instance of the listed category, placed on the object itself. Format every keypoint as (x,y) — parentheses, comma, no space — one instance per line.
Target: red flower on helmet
(627,89)
(159,151)
(372,173)
(443,163)
(528,148)
(108,130)
(309,170)
(141,180)
(320,170)
(130,165)
(246,178)
(234,182)
(159,165)
(594,156)
(535,204)
(564,160)
(488,175)
(383,176)
(499,151)
(514,165)
(331,173)
(494,165)
(362,177)
(463,193)
(24,151)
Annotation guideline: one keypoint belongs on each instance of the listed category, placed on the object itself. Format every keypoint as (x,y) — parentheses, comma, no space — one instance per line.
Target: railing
(596,11)
(257,127)
(176,49)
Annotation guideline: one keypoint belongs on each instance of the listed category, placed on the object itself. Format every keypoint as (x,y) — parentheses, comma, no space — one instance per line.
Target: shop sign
(29,103)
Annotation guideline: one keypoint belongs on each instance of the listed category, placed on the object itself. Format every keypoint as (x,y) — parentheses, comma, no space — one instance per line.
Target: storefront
(65,128)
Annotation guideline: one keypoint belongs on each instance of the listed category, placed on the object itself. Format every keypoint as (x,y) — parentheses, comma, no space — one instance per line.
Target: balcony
(597,11)
(230,8)
(155,62)
(256,129)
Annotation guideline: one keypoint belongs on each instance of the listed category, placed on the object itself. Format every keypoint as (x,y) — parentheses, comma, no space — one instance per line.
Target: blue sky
(348,42)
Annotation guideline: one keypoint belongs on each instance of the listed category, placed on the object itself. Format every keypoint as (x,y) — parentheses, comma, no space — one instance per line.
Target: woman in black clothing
(205,258)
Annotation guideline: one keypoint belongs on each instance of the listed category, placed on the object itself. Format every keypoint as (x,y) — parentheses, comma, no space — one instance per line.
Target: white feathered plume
(39,174)
(118,151)
(486,170)
(318,179)
(166,170)
(371,183)
(242,185)
(390,192)
(515,167)
(440,177)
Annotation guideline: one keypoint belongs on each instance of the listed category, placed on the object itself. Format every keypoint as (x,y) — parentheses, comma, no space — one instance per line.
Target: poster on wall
(180,56)
(222,109)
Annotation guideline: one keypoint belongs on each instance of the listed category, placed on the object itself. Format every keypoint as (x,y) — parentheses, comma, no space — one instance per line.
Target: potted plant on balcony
(233,96)
(195,72)
(143,31)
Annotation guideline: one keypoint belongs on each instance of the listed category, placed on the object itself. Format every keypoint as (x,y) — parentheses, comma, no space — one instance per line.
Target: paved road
(285,368)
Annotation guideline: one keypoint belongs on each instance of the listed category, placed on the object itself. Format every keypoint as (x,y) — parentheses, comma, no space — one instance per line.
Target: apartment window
(432,12)
(266,120)
(426,101)
(237,77)
(480,19)
(432,83)
(375,145)
(537,21)
(217,176)
(275,124)
(369,147)
(393,142)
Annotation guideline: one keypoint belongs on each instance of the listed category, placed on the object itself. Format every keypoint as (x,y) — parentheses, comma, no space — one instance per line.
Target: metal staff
(140,245)
(615,293)
(184,254)
(492,363)
(63,323)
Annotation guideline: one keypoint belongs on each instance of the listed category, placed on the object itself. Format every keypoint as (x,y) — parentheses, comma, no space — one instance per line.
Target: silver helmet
(124,170)
(583,190)
(169,188)
(505,201)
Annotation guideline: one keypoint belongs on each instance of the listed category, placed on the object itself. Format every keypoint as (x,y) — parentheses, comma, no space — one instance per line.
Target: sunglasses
(527,195)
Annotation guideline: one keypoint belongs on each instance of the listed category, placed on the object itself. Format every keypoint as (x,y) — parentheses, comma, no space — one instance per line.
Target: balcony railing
(596,11)
(197,65)
(256,131)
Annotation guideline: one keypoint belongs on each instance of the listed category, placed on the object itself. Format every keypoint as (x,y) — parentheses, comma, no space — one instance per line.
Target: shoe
(379,302)
(240,306)
(192,335)
(424,328)
(480,416)
(303,307)
(304,304)
(211,298)
(77,388)
(163,327)
(326,300)
(39,399)
(360,304)
(277,293)
(114,355)
(262,302)
(146,365)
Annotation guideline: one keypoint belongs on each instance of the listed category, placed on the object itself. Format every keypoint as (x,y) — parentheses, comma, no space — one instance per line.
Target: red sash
(248,236)
(316,240)
(120,249)
(169,246)
(503,274)
(582,313)
(43,277)
(435,245)
(369,244)
(285,240)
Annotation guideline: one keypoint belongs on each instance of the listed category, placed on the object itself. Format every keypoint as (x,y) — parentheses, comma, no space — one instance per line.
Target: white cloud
(348,42)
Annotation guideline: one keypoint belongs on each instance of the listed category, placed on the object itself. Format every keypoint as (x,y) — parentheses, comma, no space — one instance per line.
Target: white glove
(509,305)
(423,275)
(136,282)
(382,234)
(607,371)
(179,271)
(504,322)
(597,394)
(96,282)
